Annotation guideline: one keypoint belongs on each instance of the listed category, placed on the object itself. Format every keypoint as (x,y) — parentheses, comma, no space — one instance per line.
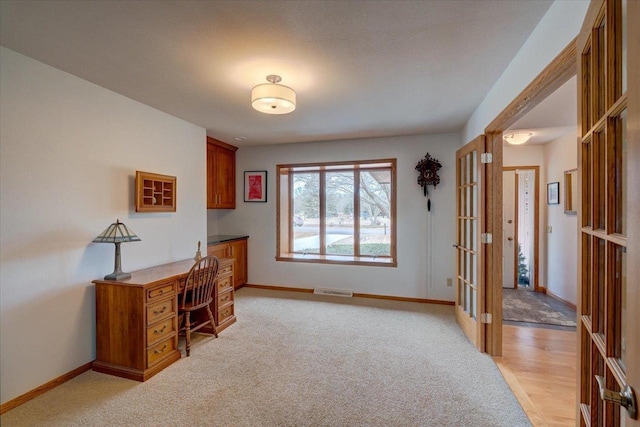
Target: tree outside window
(337,212)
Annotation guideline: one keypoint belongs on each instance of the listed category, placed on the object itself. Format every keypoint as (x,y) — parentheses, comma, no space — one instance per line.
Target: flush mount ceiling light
(272,98)
(517,138)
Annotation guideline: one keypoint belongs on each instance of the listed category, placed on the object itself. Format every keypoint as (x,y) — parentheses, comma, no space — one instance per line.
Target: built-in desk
(137,318)
(234,247)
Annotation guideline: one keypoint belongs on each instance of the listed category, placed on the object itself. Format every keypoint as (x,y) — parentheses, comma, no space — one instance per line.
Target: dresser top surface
(159,273)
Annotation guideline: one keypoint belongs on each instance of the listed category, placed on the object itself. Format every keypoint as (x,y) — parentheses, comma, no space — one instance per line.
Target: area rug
(524,306)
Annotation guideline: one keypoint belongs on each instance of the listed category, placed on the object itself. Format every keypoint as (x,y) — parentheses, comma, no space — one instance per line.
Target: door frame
(536,222)
(558,72)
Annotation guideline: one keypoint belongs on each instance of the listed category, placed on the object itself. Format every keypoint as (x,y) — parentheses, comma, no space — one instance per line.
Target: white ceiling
(360,68)
(553,118)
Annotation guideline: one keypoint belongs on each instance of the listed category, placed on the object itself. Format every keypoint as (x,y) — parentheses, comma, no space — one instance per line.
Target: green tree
(523,271)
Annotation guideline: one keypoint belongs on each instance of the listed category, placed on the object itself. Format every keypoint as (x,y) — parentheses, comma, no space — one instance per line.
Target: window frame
(285,214)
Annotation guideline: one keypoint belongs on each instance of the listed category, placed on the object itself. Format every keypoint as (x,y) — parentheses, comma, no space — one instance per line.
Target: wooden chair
(196,297)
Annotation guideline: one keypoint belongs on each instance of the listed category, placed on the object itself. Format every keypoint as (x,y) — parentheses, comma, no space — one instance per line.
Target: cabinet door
(221,175)
(225,174)
(211,184)
(239,253)
(220,250)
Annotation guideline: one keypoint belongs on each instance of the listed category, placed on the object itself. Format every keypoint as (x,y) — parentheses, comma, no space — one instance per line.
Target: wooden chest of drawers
(137,318)
(224,303)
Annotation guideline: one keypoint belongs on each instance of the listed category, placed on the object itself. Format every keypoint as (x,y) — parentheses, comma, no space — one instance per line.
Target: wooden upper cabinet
(221,175)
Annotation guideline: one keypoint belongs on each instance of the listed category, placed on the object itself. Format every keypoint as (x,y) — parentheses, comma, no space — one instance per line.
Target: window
(341,212)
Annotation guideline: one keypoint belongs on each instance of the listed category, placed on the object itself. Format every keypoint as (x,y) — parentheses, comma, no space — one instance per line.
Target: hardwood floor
(539,364)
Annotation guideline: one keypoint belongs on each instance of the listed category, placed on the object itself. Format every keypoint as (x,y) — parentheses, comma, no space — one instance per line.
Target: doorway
(527,347)
(521,213)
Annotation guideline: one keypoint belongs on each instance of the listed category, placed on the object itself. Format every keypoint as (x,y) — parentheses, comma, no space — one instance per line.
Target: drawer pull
(156,331)
(225,299)
(226,312)
(157,312)
(156,351)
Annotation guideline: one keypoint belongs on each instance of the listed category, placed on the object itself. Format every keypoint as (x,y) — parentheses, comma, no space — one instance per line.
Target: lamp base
(117,275)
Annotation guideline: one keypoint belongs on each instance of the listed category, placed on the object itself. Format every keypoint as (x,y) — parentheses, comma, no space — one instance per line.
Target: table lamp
(117,233)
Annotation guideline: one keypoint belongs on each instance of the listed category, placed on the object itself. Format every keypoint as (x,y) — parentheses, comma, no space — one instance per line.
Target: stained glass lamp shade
(117,233)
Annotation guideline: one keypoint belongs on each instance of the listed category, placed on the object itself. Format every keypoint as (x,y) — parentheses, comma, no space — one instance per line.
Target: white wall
(68,155)
(562,243)
(556,29)
(424,239)
(533,155)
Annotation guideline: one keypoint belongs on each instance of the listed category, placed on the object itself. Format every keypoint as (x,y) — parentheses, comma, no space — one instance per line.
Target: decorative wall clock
(428,175)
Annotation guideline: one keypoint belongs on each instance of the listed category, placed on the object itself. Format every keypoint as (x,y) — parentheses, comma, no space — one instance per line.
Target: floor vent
(333,292)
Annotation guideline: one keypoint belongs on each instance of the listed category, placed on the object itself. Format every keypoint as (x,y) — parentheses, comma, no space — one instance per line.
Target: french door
(469,215)
(609,158)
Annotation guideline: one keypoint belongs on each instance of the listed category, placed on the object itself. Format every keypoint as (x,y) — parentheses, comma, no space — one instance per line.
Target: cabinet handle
(156,312)
(164,347)
(156,331)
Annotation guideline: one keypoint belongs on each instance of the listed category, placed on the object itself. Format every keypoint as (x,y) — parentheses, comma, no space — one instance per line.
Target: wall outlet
(549,229)
(449,281)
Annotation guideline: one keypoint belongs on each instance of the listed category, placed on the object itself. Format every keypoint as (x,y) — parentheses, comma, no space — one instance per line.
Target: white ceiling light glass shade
(517,138)
(272,98)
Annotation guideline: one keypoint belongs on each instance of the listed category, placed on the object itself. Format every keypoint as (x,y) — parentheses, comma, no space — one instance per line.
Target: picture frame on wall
(553,193)
(255,186)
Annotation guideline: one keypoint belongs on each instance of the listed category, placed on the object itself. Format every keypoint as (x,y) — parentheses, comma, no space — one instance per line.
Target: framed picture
(255,186)
(553,193)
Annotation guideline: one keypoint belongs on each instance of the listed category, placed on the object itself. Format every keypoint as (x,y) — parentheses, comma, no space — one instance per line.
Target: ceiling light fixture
(272,98)
(517,138)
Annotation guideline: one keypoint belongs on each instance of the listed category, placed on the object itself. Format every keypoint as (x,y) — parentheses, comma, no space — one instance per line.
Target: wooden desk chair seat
(197,295)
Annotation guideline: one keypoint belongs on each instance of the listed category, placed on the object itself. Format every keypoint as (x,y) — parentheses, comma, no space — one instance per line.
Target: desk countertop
(220,238)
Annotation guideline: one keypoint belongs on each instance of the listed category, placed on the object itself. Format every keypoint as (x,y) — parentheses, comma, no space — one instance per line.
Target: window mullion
(323,213)
(356,212)
(290,212)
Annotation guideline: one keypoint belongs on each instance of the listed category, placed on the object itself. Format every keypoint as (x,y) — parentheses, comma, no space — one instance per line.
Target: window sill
(337,259)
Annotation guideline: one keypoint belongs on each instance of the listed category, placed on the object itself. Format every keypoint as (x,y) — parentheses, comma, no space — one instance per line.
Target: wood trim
(536,221)
(13,403)
(279,288)
(633,202)
(486,224)
(338,259)
(355,294)
(493,252)
(221,144)
(516,222)
(284,182)
(519,392)
(405,299)
(558,297)
(345,162)
(558,72)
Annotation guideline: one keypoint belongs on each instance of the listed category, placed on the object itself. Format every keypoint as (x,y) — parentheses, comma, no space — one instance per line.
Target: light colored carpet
(520,305)
(296,359)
